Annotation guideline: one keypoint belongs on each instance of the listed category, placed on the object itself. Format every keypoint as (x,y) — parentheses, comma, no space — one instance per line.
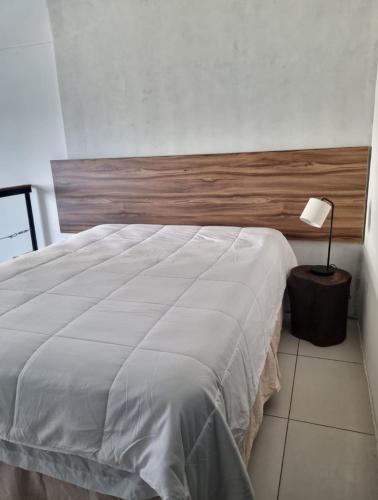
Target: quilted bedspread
(131,354)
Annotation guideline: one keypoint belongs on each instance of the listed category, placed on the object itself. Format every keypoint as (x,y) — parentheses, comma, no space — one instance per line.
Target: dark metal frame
(25,190)
(327,270)
(330,229)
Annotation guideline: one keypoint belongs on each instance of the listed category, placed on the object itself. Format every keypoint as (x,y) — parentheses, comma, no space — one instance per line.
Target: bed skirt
(20,484)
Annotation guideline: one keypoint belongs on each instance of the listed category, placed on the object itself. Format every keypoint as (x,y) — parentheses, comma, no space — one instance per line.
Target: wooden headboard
(241,189)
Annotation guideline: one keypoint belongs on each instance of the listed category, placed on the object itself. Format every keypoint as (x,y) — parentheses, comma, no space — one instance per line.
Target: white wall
(31,126)
(369,289)
(177,76)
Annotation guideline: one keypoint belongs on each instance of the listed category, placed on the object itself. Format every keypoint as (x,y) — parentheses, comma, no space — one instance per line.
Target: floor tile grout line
(319,425)
(283,456)
(275,416)
(289,419)
(331,359)
(319,357)
(287,423)
(283,352)
(331,427)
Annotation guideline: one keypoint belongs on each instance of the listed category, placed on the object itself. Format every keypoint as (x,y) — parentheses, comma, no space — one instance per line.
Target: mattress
(131,357)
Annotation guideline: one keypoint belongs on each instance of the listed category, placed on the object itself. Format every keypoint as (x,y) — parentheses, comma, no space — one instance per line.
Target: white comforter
(130,356)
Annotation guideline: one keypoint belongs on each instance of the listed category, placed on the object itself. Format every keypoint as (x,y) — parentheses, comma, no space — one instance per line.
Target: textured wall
(31,125)
(369,289)
(176,76)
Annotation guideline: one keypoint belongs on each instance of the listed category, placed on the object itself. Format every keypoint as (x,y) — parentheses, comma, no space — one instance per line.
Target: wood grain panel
(242,189)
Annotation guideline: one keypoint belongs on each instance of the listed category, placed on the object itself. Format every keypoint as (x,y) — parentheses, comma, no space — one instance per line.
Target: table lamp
(315,213)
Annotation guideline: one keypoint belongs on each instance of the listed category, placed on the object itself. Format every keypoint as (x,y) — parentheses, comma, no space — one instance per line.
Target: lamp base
(323,270)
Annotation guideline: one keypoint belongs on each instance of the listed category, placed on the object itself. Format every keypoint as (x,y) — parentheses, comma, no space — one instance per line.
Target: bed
(137,356)
(132,357)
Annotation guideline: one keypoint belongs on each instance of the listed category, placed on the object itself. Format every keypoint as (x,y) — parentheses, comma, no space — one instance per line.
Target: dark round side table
(319,305)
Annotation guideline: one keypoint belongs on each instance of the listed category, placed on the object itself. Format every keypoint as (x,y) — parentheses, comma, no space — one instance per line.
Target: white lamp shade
(315,212)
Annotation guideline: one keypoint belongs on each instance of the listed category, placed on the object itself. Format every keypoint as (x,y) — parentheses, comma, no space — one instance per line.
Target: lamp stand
(326,270)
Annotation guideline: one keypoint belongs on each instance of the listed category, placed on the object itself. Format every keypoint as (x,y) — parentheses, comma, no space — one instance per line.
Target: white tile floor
(317,438)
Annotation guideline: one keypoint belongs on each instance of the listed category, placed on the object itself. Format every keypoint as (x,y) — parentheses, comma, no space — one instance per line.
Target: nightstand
(319,305)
